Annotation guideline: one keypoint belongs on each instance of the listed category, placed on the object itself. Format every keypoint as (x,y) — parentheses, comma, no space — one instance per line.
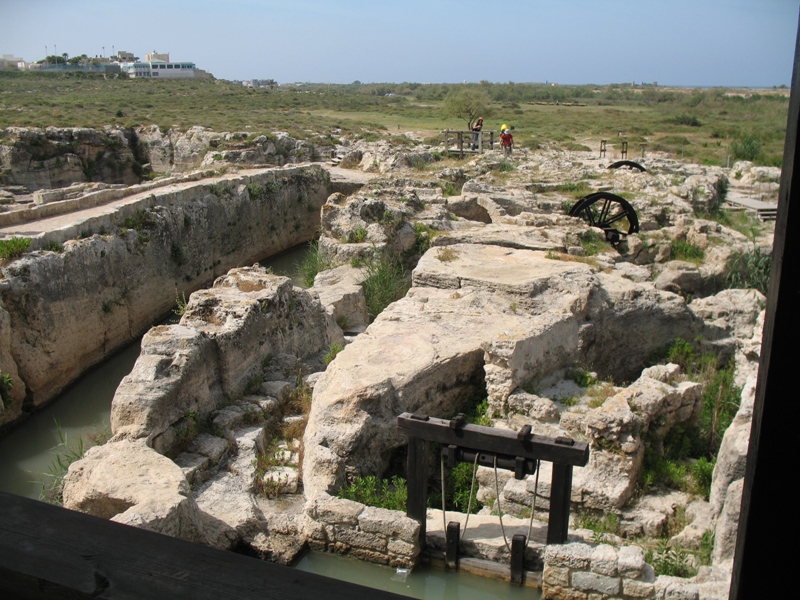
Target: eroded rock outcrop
(70,309)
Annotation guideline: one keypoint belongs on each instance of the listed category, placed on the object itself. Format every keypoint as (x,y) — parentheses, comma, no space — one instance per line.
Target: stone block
(359,539)
(675,588)
(369,556)
(637,589)
(401,548)
(593,582)
(388,523)
(335,511)
(559,593)
(209,445)
(630,562)
(604,560)
(573,556)
(555,576)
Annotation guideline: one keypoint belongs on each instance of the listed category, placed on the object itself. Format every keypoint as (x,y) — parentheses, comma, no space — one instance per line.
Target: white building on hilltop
(159,65)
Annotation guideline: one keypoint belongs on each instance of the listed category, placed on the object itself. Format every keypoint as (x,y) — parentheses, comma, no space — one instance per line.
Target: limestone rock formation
(130,483)
(70,309)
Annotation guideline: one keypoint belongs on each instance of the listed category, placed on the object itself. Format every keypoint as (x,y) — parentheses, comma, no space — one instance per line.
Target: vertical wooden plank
(451,547)
(773,434)
(560,489)
(517,558)
(416,505)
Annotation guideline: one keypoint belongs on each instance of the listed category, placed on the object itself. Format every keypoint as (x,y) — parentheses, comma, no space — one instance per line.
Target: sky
(672,42)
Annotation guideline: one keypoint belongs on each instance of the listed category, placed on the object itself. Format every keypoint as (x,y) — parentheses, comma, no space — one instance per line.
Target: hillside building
(159,65)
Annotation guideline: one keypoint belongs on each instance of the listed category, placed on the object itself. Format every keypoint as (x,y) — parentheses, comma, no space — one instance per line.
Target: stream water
(423,582)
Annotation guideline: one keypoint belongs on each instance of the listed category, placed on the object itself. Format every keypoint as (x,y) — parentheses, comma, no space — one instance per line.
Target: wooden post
(517,558)
(480,142)
(451,544)
(560,490)
(624,150)
(416,506)
(602,148)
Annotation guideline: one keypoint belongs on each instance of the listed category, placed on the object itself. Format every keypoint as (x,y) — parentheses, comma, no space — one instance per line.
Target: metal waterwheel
(611,213)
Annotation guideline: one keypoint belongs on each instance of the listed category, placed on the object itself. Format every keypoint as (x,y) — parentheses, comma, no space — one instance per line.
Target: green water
(423,582)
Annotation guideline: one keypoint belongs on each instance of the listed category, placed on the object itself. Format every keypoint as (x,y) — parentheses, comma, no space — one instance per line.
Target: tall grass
(384,283)
(315,261)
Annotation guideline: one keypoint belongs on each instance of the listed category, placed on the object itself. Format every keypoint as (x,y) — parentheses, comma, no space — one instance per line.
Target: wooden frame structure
(518,447)
(462,136)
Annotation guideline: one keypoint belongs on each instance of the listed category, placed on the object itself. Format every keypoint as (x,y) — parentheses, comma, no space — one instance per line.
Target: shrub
(384,283)
(14,248)
(670,560)
(381,493)
(746,148)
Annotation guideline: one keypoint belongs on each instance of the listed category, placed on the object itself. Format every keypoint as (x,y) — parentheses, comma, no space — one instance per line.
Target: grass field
(700,125)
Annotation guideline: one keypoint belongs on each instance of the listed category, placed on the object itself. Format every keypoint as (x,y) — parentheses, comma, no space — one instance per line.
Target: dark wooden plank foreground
(763,565)
(50,552)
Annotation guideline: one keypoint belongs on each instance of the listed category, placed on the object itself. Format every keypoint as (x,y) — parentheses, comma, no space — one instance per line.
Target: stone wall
(56,157)
(373,534)
(69,310)
(583,572)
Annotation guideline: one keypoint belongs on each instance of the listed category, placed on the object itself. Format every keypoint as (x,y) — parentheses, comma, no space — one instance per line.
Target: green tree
(466,104)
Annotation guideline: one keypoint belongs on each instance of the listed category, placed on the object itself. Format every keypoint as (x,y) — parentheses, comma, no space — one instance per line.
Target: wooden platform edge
(50,552)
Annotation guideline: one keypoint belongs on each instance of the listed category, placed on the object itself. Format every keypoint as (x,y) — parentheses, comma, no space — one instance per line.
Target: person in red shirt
(508,142)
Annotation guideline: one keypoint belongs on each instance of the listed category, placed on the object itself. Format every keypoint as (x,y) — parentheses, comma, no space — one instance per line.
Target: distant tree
(466,104)
(271,83)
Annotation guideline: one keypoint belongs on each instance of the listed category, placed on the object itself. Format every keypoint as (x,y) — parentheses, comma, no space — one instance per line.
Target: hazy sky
(673,42)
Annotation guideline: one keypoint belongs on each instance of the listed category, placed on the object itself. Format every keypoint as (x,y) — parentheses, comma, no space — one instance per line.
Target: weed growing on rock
(13,248)
(332,352)
(449,189)
(358,236)
(6,383)
(180,303)
(593,243)
(447,254)
(256,191)
(54,246)
(683,250)
(382,493)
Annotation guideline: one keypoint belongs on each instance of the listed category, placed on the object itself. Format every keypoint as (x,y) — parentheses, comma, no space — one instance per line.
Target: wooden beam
(49,552)
(492,439)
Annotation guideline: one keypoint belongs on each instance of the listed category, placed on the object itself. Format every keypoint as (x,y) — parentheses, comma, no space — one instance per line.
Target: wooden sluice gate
(518,451)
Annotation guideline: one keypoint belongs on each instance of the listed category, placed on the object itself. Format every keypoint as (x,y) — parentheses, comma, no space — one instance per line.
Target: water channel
(28,453)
